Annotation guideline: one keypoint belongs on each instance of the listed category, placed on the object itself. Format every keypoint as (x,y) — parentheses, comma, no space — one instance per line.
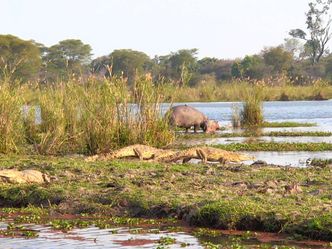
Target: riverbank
(235,91)
(294,201)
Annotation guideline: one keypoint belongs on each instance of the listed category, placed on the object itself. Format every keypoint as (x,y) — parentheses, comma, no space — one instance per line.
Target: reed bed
(82,117)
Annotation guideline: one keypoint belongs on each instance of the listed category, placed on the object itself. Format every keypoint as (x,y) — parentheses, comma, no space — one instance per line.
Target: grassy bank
(288,200)
(255,134)
(272,146)
(235,90)
(286,124)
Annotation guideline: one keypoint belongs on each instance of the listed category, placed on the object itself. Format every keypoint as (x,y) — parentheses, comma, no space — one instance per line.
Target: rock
(25,176)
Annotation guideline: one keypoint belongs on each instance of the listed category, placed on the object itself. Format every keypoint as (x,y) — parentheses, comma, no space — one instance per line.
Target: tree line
(303,56)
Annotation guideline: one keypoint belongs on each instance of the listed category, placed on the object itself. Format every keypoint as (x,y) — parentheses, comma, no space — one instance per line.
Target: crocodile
(143,152)
(206,154)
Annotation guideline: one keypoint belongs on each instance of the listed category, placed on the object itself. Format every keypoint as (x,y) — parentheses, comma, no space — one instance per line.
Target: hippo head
(210,126)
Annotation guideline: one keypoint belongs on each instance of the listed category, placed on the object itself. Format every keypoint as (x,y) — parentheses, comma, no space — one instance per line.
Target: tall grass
(97,116)
(11,119)
(252,112)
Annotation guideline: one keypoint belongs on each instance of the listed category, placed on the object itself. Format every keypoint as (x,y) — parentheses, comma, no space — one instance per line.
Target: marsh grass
(86,117)
(252,112)
(231,91)
(11,119)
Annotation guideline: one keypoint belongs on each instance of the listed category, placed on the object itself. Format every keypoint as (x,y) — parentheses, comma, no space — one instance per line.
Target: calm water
(319,112)
(93,237)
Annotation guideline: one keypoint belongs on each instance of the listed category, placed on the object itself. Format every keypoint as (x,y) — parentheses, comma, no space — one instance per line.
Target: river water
(124,237)
(319,112)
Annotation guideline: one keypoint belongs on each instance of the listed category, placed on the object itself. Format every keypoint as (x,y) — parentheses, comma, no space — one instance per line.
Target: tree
(67,57)
(250,67)
(19,59)
(279,59)
(101,66)
(220,68)
(183,63)
(318,28)
(129,62)
(295,47)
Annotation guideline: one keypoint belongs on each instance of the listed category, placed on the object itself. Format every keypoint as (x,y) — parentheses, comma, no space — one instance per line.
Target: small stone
(259,163)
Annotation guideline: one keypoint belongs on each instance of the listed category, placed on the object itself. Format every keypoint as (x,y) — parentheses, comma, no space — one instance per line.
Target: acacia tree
(129,63)
(318,25)
(67,57)
(19,59)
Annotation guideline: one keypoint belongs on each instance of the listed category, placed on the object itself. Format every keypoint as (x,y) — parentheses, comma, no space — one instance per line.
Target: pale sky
(218,28)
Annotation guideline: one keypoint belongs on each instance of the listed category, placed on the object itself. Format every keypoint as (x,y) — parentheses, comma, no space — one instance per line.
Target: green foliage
(19,59)
(250,67)
(179,66)
(220,68)
(129,63)
(279,59)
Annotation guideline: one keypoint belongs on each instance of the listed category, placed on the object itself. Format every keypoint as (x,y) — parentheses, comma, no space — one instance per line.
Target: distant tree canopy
(278,59)
(318,25)
(30,60)
(129,62)
(250,67)
(66,58)
(19,59)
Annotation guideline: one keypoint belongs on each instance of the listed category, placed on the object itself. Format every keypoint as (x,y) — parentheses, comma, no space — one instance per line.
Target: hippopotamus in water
(186,116)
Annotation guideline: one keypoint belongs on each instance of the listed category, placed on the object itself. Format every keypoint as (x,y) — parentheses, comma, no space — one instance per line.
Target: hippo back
(186,116)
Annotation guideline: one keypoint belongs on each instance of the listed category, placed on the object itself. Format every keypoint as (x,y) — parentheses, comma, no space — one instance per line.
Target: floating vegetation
(272,146)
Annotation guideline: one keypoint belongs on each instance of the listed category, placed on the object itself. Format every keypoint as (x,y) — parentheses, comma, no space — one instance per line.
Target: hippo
(186,116)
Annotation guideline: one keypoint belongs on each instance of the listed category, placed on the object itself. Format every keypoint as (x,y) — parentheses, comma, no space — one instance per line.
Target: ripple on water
(94,237)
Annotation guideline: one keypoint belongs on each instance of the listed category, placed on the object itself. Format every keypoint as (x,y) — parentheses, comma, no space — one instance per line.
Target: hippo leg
(222,161)
(196,127)
(202,155)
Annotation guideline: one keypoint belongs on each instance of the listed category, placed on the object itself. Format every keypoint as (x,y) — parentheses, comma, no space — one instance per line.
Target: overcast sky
(218,28)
